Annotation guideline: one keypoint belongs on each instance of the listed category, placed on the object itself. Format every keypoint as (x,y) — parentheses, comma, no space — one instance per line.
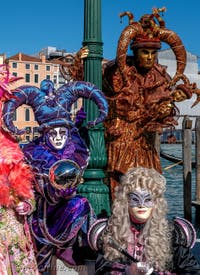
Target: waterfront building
(34,69)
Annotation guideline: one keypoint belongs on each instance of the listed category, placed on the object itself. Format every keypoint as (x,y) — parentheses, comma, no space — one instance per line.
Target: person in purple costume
(58,158)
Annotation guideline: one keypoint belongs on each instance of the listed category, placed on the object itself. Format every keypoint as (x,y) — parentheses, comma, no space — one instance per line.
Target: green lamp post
(93,187)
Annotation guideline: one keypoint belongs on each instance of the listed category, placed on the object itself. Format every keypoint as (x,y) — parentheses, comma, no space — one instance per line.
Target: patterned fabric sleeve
(183,240)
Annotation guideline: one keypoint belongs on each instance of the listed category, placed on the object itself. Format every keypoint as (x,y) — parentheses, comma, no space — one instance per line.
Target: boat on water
(174,159)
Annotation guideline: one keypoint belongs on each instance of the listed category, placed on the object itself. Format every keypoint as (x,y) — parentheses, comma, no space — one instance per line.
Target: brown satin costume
(140,104)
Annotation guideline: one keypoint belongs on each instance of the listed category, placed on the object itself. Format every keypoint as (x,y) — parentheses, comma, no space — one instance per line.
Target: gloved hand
(80,116)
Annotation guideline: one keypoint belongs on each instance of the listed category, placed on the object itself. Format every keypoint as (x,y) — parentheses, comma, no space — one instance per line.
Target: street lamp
(94,188)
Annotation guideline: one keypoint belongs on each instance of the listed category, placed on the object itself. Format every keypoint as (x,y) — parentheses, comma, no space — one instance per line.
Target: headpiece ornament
(52,108)
(149,32)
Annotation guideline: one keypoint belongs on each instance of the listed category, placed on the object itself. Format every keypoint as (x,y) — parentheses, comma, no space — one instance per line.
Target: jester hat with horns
(149,32)
(52,107)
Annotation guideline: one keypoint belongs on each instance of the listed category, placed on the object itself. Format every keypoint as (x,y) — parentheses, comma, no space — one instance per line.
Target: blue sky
(29,26)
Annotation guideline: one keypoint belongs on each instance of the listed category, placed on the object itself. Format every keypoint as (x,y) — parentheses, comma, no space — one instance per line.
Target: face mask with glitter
(140,198)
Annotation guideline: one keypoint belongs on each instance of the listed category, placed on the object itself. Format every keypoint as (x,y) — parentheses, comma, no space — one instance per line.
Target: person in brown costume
(141,94)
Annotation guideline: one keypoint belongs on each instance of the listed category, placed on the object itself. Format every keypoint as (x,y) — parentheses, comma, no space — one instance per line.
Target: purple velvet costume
(57,220)
(60,215)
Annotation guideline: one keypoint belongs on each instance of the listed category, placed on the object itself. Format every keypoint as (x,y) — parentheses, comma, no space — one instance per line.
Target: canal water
(174,177)
(174,191)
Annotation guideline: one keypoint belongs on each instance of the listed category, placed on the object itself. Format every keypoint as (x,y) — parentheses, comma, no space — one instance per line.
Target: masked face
(140,205)
(179,96)
(146,58)
(57,137)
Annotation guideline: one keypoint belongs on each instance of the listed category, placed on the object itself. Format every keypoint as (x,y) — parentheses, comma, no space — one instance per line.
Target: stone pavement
(59,268)
(62,269)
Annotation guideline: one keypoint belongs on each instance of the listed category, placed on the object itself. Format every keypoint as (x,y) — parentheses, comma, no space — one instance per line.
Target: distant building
(34,69)
(52,53)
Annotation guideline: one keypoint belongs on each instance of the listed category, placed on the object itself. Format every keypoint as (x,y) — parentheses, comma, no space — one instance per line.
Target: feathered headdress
(5,81)
(15,175)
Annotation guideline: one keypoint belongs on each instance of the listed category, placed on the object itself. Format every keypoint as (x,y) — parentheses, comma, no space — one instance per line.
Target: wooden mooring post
(196,203)
(187,167)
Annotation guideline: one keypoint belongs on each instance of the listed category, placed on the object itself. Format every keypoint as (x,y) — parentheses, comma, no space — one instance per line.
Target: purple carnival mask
(140,198)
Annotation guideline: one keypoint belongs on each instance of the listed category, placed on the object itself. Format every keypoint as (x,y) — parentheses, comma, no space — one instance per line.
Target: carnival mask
(140,205)
(140,198)
(57,137)
(146,58)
